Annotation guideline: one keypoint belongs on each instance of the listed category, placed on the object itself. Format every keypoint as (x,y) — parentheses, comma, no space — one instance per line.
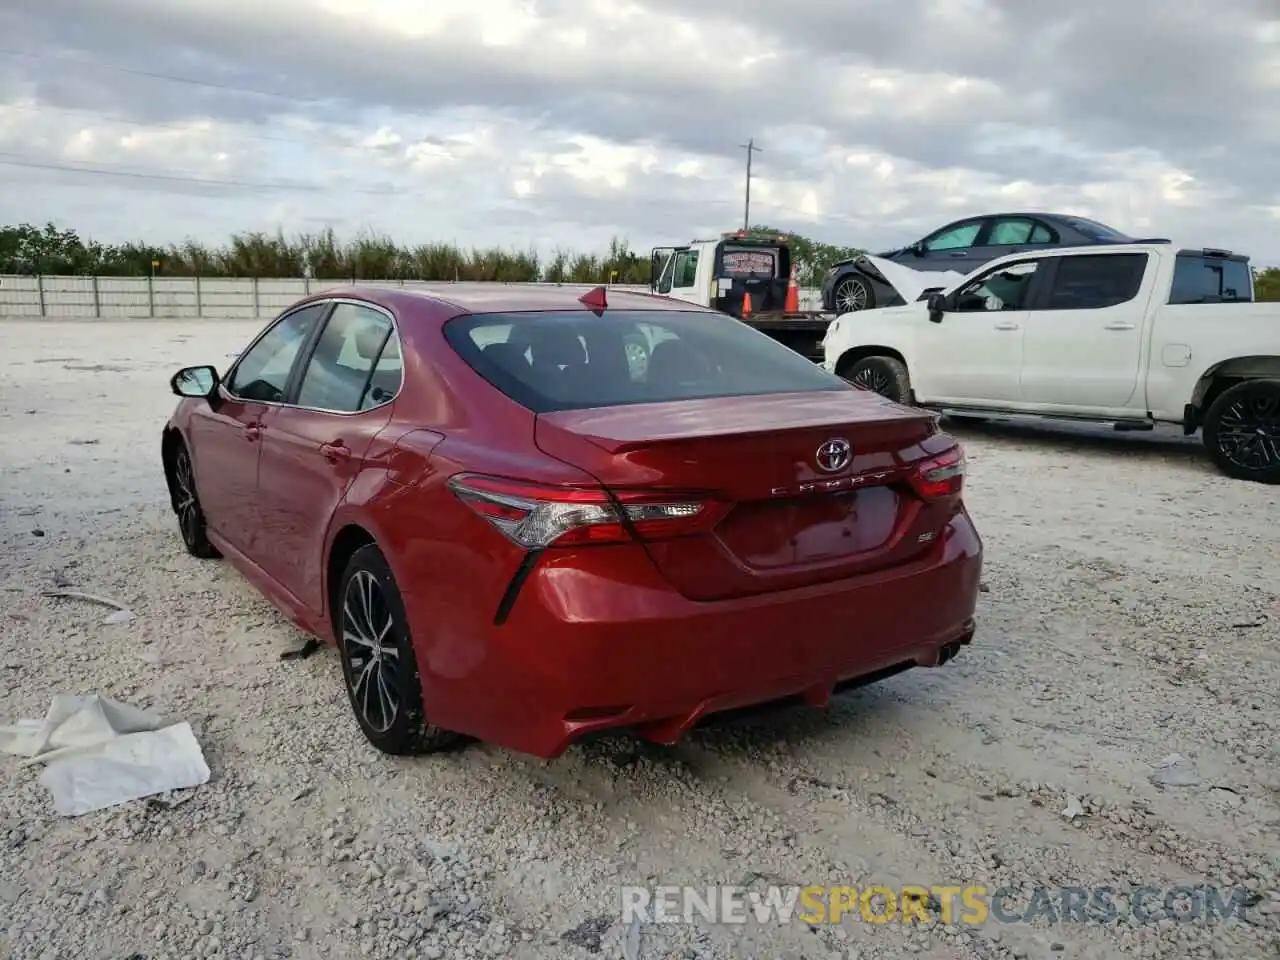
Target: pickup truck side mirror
(937,307)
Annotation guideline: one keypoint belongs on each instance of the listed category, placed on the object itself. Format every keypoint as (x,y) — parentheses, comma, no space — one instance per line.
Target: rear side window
(1201,279)
(338,373)
(567,361)
(1097,281)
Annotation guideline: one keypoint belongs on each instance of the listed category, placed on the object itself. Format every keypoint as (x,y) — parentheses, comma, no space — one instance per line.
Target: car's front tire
(1242,431)
(886,376)
(383,683)
(853,293)
(186,504)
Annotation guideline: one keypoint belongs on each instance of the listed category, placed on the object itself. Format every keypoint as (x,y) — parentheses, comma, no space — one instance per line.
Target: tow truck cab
(720,273)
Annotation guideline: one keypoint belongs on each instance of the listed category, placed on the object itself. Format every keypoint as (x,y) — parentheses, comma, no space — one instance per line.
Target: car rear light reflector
(535,516)
(941,476)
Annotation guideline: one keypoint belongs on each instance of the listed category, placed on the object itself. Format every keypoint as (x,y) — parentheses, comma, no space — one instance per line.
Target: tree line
(30,250)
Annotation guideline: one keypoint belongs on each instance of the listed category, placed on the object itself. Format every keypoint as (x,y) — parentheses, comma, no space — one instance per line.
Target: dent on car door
(314,447)
(226,435)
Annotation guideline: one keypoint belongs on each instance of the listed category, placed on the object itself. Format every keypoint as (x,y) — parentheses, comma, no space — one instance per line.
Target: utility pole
(750,147)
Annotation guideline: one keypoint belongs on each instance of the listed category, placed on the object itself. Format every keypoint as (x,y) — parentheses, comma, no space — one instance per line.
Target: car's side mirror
(199,381)
(937,306)
(918,248)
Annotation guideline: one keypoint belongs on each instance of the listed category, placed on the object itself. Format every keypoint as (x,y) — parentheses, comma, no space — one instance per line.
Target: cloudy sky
(563,122)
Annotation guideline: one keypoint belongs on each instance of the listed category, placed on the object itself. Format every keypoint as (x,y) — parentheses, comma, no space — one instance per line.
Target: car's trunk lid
(790,522)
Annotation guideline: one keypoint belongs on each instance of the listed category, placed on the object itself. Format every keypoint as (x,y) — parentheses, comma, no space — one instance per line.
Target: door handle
(1008,325)
(1118,326)
(252,432)
(335,452)
(960,253)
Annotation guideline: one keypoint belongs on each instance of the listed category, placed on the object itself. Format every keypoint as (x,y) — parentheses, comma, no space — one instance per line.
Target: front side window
(338,373)
(958,237)
(686,268)
(1003,289)
(566,361)
(1096,281)
(262,373)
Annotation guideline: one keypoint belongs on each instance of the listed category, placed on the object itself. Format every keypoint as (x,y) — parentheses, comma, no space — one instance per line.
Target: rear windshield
(749,263)
(1098,231)
(1200,279)
(567,361)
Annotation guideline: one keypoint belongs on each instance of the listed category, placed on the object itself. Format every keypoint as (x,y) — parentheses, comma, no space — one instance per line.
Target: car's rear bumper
(595,646)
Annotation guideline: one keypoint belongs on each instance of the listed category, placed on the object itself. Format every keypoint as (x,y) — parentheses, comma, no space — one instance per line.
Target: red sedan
(525,517)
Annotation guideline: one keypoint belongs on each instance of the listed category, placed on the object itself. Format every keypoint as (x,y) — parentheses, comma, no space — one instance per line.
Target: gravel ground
(1131,613)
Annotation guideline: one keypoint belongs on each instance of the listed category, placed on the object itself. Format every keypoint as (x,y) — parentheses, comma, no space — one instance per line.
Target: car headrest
(369,340)
(508,356)
(558,345)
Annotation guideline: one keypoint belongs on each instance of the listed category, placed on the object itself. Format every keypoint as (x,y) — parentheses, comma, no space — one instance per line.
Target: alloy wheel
(873,379)
(188,506)
(851,296)
(1249,432)
(370,646)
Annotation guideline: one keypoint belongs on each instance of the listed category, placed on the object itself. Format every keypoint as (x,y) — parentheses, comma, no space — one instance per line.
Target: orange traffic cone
(746,305)
(792,303)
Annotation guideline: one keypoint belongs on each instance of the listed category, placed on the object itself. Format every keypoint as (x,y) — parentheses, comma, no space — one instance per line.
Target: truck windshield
(1205,279)
(548,361)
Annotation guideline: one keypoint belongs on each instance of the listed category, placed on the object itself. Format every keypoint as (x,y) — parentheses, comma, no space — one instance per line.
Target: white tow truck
(722,274)
(1130,335)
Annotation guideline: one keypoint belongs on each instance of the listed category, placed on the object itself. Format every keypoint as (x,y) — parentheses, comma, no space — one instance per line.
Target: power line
(172,78)
(174,178)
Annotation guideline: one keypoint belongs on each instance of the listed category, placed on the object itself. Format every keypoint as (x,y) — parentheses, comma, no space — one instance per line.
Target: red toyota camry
(525,516)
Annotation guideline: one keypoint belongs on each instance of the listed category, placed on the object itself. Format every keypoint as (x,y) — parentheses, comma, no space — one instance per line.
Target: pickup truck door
(1083,347)
(974,355)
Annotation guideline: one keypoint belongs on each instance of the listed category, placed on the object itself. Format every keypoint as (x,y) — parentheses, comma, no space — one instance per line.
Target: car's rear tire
(1242,431)
(383,683)
(852,294)
(186,504)
(883,375)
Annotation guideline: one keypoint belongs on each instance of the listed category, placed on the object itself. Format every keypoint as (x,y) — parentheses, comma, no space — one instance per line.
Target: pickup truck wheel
(883,375)
(853,294)
(1242,431)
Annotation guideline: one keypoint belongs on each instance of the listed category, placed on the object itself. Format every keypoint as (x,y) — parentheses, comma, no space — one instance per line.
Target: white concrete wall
(119,298)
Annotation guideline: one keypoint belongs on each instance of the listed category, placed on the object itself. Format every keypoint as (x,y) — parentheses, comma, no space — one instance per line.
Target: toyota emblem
(835,454)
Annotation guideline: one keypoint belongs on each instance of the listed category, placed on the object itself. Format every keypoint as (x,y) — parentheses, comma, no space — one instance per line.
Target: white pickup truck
(1131,335)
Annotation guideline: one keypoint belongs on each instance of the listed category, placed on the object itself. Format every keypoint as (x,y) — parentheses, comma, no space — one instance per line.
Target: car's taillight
(535,516)
(941,476)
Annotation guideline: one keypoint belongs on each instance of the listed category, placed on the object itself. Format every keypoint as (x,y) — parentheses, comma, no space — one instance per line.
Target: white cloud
(563,122)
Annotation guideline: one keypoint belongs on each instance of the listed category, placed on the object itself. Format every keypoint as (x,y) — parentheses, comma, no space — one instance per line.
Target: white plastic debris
(1175,770)
(100,753)
(121,614)
(1073,809)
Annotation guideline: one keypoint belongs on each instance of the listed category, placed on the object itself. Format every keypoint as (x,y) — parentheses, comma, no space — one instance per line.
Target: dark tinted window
(337,374)
(1199,279)
(1097,231)
(1091,282)
(262,373)
(565,361)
